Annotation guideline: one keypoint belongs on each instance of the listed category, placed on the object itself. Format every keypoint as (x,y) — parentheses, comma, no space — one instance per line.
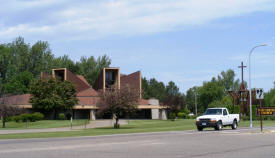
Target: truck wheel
(234,125)
(218,126)
(199,128)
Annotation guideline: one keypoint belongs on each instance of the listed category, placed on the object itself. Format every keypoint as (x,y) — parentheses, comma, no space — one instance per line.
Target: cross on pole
(242,67)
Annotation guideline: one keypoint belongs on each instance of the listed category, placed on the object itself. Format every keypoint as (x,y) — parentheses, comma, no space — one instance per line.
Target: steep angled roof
(83,79)
(88,92)
(133,80)
(79,83)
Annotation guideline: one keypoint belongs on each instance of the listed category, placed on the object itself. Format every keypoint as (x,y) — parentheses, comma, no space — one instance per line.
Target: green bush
(192,117)
(245,118)
(181,115)
(172,116)
(9,119)
(61,116)
(16,118)
(37,116)
(186,110)
(29,117)
(26,117)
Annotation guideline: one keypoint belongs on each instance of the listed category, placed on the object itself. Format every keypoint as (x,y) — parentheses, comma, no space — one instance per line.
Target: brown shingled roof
(18,99)
(79,83)
(87,92)
(83,79)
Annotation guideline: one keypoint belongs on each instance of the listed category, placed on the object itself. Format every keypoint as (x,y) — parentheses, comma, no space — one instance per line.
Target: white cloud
(97,19)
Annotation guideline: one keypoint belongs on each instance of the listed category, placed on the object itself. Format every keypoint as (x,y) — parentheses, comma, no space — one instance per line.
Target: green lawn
(41,124)
(257,123)
(136,126)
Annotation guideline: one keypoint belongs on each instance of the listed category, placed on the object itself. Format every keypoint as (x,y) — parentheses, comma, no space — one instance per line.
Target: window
(224,112)
(110,78)
(213,112)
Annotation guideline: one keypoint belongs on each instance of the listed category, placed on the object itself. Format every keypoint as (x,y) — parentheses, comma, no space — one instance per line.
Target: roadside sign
(265,111)
(259,93)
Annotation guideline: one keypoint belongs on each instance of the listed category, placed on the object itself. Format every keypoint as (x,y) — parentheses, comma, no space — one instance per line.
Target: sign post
(71,122)
(265,111)
(260,96)
(261,118)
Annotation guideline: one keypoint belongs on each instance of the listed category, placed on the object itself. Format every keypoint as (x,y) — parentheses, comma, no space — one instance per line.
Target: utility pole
(196,102)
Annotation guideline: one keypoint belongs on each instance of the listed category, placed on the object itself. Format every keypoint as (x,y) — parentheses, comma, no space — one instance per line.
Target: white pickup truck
(217,118)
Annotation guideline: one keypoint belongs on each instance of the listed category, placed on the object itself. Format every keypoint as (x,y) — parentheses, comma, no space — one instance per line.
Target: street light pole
(250,91)
(196,103)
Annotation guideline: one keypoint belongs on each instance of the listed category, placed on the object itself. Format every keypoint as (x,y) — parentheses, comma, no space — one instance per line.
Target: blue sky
(186,41)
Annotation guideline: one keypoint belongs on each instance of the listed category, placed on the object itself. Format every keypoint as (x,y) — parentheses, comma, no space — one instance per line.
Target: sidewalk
(92,124)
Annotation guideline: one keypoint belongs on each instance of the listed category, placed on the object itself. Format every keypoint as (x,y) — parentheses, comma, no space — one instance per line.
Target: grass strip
(135,126)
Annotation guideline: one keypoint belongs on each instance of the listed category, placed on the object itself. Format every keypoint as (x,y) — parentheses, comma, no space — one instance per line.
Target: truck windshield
(213,112)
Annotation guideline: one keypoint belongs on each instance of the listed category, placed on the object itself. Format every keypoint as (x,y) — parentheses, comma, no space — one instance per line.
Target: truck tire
(199,128)
(218,126)
(234,125)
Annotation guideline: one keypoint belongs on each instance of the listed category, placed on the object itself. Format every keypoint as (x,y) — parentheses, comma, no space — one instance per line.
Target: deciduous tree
(19,83)
(91,68)
(52,95)
(118,101)
(7,110)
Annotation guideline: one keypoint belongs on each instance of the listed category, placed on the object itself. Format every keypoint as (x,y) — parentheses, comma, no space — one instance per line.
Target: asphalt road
(188,144)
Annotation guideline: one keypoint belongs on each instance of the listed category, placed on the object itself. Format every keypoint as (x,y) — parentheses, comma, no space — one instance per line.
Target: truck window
(224,112)
(213,112)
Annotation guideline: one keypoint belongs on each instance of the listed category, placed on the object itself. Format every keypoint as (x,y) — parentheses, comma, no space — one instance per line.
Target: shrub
(181,115)
(61,116)
(16,118)
(26,117)
(186,110)
(172,116)
(9,119)
(37,116)
(272,117)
